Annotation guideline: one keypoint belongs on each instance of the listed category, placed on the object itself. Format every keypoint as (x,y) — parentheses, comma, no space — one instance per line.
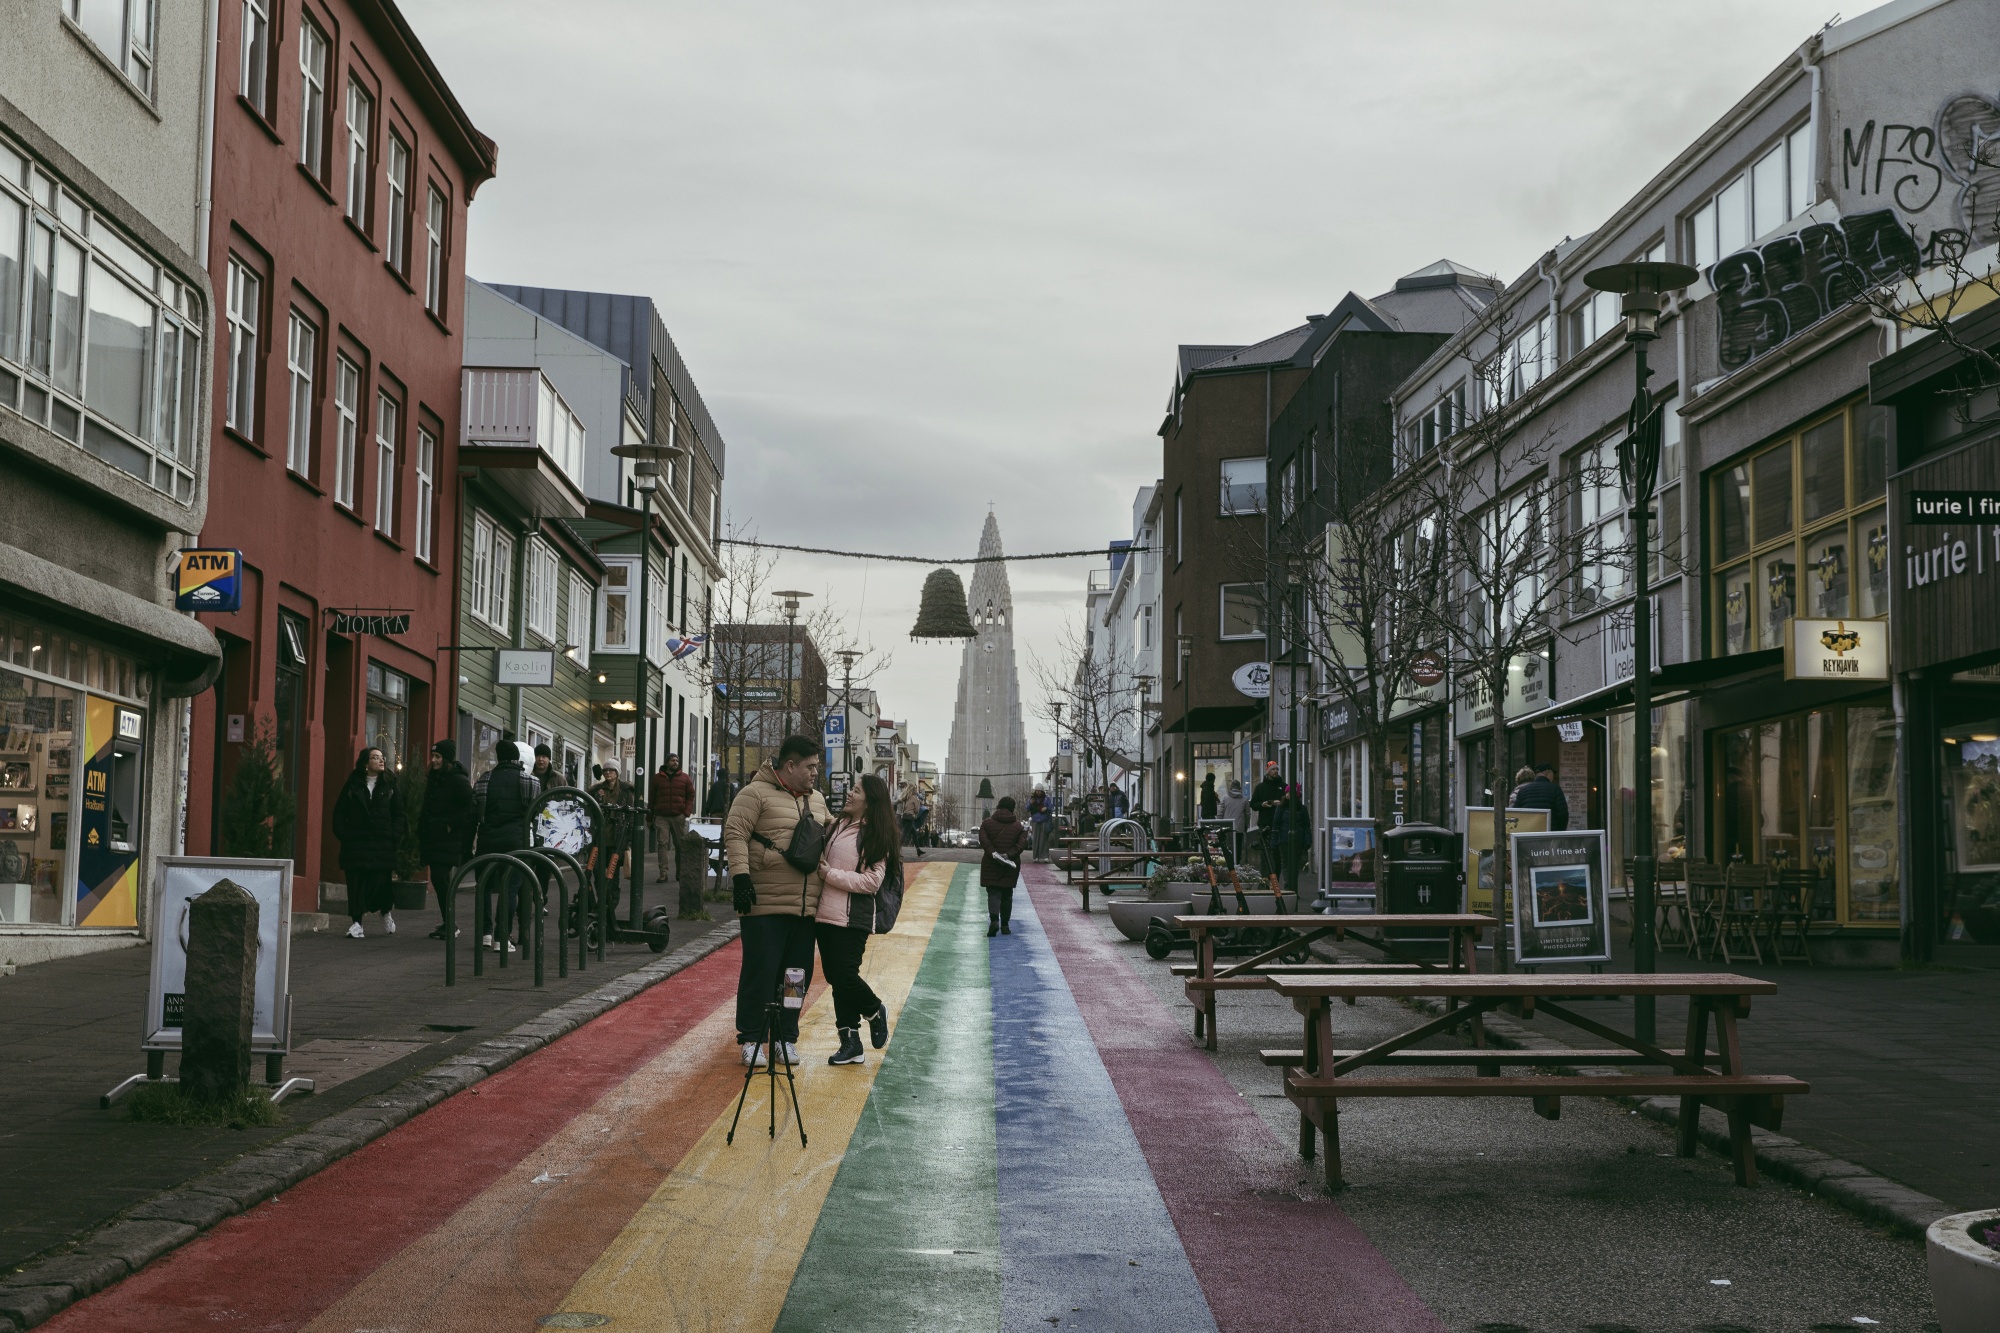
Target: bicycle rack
(479,864)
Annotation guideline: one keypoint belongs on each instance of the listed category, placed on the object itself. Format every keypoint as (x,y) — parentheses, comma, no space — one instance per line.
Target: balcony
(517,429)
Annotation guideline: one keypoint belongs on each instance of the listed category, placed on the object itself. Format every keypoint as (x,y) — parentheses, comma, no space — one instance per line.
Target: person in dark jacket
(1536,791)
(1002,837)
(1210,801)
(1041,821)
(1295,835)
(368,821)
(444,827)
(716,804)
(501,803)
(1265,799)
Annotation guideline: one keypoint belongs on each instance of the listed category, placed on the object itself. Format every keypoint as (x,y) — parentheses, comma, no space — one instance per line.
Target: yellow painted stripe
(717,1245)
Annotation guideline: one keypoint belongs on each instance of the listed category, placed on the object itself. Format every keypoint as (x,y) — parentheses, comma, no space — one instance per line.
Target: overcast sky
(921,257)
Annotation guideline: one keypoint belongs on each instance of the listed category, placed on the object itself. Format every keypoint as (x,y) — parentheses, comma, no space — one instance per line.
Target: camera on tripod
(791,994)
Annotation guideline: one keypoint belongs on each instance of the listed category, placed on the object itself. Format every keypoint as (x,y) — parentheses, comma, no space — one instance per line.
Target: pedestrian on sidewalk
(861,873)
(1264,801)
(544,771)
(444,826)
(775,896)
(1294,833)
(501,802)
(911,813)
(1232,808)
(368,820)
(1041,821)
(1211,803)
(671,803)
(1535,791)
(715,805)
(1001,836)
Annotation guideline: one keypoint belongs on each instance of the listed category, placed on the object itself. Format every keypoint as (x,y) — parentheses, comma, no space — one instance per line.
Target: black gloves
(745,896)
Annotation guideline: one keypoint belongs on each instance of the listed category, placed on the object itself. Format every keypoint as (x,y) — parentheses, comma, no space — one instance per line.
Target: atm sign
(209,580)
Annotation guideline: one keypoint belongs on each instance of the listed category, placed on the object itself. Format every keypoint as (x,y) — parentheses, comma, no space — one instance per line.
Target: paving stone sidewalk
(367,1014)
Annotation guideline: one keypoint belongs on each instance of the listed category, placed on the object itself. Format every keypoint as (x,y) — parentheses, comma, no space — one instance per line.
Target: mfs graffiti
(1908,167)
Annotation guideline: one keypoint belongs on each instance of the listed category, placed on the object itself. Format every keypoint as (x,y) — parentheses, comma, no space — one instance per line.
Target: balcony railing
(519,407)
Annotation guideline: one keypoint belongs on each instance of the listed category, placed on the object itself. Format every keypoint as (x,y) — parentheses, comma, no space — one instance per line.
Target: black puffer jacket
(445,827)
(369,827)
(1002,834)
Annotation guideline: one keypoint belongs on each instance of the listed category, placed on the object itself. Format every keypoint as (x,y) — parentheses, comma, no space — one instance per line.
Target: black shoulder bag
(808,841)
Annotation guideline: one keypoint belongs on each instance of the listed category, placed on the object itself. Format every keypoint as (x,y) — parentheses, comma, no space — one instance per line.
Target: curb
(42,1288)
(1871,1197)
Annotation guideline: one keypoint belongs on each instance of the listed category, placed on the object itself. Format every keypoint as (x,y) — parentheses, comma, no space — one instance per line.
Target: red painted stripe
(277,1266)
(1278,1265)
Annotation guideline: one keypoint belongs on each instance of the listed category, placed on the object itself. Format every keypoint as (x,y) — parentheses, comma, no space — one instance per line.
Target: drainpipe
(204,201)
(1816,117)
(520,613)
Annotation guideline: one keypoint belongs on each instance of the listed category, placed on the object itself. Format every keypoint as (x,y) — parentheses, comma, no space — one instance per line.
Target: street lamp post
(846,656)
(790,598)
(646,460)
(1057,709)
(1643,287)
(1184,643)
(1145,684)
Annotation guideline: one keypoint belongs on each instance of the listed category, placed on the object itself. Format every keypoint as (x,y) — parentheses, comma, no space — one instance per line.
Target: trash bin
(1423,872)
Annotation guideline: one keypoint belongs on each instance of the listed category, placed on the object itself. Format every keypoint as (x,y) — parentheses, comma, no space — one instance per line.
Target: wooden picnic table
(1116,876)
(1257,972)
(1318,1076)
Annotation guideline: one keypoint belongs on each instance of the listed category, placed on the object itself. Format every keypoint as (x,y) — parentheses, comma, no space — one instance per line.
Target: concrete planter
(409,894)
(1965,1273)
(1132,916)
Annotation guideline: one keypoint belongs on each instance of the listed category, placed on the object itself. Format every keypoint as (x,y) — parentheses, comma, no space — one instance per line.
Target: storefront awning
(1676,680)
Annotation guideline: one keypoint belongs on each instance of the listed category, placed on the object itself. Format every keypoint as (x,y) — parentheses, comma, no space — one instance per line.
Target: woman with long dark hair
(1002,837)
(862,851)
(368,820)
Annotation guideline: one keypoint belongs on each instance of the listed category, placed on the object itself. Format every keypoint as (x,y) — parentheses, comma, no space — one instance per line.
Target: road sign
(209,580)
(836,725)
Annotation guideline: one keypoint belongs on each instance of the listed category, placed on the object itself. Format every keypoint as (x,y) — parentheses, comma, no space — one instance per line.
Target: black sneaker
(850,1052)
(878,1027)
(992,926)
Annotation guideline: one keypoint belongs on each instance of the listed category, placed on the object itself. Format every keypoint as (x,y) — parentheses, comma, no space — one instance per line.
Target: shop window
(289,702)
(615,616)
(389,714)
(1814,794)
(37,759)
(1799,530)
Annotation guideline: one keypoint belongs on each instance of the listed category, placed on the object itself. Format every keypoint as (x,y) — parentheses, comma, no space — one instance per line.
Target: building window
(1242,611)
(659,605)
(1597,520)
(1180,526)
(614,623)
(492,572)
(1242,486)
(1288,489)
(300,355)
(398,174)
(1799,530)
(389,714)
(1592,320)
(360,126)
(434,252)
(388,415)
(240,397)
(542,587)
(1777,188)
(579,628)
(312,99)
(123,30)
(1530,357)
(479,590)
(347,432)
(254,78)
(426,490)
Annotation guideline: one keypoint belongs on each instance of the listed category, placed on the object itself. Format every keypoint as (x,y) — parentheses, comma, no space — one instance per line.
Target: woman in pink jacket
(859,851)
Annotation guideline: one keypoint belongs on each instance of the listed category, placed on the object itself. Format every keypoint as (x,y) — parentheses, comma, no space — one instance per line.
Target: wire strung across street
(927,560)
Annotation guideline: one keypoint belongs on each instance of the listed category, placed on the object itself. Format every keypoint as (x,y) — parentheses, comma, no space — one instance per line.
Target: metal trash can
(1423,871)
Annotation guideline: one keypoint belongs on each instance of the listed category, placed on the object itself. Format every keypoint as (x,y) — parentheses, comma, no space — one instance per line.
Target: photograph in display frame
(1352,847)
(1564,914)
(17,776)
(15,739)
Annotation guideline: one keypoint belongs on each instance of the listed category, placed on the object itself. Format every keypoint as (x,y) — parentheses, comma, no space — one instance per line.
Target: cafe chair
(1704,907)
(1743,894)
(1787,918)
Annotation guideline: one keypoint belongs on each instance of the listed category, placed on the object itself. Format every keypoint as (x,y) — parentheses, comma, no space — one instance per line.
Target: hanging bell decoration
(985,790)
(942,614)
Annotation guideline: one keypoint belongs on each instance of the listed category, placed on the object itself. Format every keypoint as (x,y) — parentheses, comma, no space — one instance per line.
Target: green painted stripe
(910,1234)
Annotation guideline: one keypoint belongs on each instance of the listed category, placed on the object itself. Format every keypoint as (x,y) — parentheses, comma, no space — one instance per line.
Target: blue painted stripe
(1084,1236)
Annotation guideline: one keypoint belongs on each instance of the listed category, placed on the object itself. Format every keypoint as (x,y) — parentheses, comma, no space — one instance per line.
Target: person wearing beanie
(545,766)
(502,800)
(444,826)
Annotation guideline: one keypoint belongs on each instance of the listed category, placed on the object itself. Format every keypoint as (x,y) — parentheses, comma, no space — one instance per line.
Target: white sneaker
(355,932)
(753,1054)
(485,941)
(389,923)
(791,1053)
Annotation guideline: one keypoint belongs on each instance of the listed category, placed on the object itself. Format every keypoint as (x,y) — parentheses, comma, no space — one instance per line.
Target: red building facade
(343,171)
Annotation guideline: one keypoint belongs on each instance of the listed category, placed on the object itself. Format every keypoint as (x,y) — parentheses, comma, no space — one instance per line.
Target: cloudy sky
(923,257)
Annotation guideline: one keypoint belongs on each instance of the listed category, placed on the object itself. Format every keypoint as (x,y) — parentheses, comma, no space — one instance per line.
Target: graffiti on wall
(1767,294)
(1911,167)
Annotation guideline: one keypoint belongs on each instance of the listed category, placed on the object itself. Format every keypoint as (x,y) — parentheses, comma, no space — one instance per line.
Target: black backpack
(884,905)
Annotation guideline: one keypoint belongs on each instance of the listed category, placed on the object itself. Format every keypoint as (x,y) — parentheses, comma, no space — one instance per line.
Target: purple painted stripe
(1265,1264)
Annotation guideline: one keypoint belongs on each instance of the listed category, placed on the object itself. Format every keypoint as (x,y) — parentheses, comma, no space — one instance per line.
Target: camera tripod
(774,1051)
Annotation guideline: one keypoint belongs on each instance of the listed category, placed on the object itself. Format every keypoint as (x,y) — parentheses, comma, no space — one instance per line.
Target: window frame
(501,606)
(139,51)
(301,378)
(541,594)
(388,429)
(243,312)
(347,396)
(479,567)
(426,475)
(1701,229)
(1222,602)
(255,51)
(628,643)
(359,205)
(1255,463)
(437,247)
(582,606)
(315,127)
(396,213)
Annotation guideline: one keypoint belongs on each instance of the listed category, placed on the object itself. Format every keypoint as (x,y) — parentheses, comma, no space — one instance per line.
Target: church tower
(987,739)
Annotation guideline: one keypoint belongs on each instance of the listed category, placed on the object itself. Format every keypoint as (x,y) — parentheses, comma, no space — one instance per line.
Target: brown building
(343,170)
(770,683)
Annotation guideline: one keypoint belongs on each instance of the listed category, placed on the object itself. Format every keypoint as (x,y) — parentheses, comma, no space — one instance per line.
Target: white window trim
(254,65)
(387,415)
(426,491)
(347,429)
(397,242)
(544,586)
(581,607)
(500,605)
(312,97)
(240,400)
(302,348)
(606,591)
(1223,487)
(479,588)
(435,222)
(361,105)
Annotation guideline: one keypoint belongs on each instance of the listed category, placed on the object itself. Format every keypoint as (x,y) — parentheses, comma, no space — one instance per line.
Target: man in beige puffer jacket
(775,901)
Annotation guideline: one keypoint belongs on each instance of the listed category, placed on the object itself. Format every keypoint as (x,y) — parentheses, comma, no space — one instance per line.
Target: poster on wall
(107,864)
(1562,902)
(185,878)
(1479,849)
(1350,863)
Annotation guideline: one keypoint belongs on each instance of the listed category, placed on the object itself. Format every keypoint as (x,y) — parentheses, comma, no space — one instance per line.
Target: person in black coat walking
(444,828)
(1003,837)
(368,820)
(1538,791)
(502,800)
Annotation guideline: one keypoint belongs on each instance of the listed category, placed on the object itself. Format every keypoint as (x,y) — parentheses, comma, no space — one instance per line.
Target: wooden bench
(1257,972)
(1121,864)
(1322,1075)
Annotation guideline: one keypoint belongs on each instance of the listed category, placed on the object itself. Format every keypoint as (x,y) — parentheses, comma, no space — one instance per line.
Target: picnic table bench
(1318,1076)
(1204,980)
(1114,877)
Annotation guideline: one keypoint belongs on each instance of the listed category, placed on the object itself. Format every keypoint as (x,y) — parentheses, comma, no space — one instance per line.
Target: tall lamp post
(1184,644)
(790,598)
(846,656)
(1644,287)
(1057,709)
(646,460)
(1145,684)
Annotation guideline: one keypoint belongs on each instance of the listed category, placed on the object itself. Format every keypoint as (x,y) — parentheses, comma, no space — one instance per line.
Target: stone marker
(221,992)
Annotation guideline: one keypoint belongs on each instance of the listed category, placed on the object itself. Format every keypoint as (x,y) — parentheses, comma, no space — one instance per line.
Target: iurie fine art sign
(1562,898)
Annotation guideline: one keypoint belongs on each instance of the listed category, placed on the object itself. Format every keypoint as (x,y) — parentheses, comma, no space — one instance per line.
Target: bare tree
(1927,291)
(1096,695)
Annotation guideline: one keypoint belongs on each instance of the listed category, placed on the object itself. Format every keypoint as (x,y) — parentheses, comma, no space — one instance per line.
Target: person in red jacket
(672,802)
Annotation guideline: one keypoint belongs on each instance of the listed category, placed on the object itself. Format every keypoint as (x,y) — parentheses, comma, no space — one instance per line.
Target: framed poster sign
(1562,898)
(181,879)
(1479,850)
(1350,863)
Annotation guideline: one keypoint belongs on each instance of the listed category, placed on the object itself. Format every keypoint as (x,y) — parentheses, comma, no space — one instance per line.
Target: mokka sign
(382,626)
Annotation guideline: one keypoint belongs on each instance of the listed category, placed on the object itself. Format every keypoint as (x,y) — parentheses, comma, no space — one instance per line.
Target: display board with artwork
(1562,899)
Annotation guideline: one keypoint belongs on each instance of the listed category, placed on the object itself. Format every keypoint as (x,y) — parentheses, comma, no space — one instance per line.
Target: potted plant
(1169,892)
(1964,1252)
(408,888)
(257,811)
